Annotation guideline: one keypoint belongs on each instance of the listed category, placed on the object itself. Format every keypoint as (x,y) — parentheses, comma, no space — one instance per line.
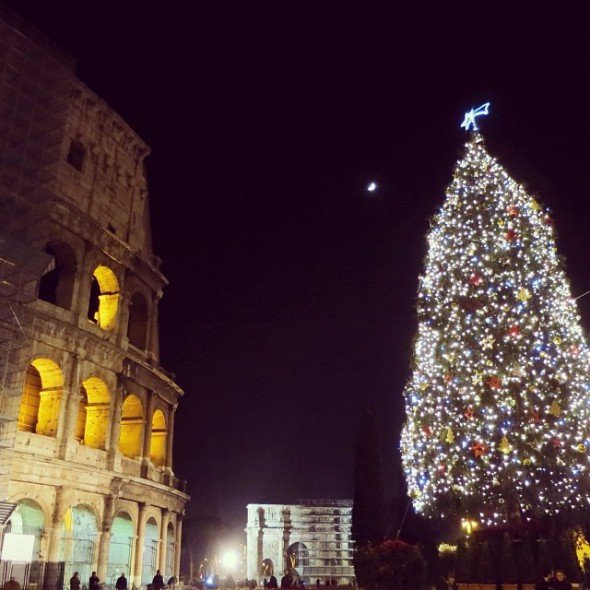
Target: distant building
(311,538)
(87,412)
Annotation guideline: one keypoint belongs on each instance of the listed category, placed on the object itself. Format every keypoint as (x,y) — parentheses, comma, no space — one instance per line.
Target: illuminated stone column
(163,540)
(170,439)
(147,431)
(139,543)
(117,404)
(59,509)
(105,537)
(178,545)
(68,410)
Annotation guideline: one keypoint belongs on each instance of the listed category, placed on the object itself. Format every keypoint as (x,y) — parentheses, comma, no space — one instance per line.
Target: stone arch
(104,298)
(131,435)
(57,285)
(42,392)
(28,522)
(78,541)
(158,440)
(267,568)
(150,551)
(137,326)
(170,550)
(120,546)
(92,424)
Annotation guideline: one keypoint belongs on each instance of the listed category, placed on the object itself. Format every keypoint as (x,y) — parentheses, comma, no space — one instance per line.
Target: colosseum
(88,464)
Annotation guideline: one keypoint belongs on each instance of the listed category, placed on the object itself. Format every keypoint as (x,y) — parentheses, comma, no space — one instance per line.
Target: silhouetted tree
(368,510)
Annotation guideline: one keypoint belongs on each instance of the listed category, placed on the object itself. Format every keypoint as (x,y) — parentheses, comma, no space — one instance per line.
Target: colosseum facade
(92,474)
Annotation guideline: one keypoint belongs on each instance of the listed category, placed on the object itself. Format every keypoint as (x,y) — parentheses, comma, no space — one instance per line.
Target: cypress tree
(368,508)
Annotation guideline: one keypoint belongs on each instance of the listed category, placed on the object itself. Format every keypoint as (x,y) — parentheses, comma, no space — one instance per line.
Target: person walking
(121,583)
(75,582)
(158,581)
(94,582)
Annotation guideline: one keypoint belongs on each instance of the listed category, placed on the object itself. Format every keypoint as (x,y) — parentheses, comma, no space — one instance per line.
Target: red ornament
(427,430)
(468,413)
(442,468)
(548,219)
(513,331)
(494,382)
(448,378)
(511,235)
(556,442)
(574,350)
(479,450)
(475,279)
(513,210)
(535,417)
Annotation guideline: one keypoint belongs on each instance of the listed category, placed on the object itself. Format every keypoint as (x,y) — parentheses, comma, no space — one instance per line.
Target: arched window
(92,424)
(57,285)
(150,551)
(120,546)
(138,321)
(158,440)
(27,519)
(104,298)
(77,546)
(130,438)
(41,398)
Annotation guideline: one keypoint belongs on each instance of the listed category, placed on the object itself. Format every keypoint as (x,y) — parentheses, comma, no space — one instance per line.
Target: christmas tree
(498,401)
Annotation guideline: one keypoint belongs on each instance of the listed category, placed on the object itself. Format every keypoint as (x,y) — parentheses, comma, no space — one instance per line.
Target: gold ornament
(501,222)
(517,371)
(555,409)
(527,462)
(557,340)
(504,446)
(581,448)
(535,205)
(450,437)
(424,385)
(488,342)
(524,295)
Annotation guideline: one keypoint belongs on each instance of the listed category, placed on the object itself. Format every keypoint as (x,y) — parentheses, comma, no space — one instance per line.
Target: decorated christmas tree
(498,402)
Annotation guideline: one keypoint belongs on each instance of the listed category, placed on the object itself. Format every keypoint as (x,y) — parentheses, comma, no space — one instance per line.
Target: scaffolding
(34,93)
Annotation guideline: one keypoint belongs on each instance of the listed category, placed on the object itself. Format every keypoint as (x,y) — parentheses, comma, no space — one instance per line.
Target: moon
(372,187)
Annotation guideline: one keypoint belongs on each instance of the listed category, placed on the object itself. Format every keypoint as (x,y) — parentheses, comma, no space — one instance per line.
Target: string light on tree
(501,368)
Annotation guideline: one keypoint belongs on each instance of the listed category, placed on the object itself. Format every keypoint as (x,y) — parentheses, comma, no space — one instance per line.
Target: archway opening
(104,298)
(22,539)
(92,424)
(298,557)
(57,285)
(41,398)
(267,568)
(150,551)
(130,438)
(170,550)
(77,547)
(137,328)
(158,440)
(120,547)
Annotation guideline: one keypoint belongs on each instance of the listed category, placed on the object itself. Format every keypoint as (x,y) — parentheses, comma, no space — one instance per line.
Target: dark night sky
(291,297)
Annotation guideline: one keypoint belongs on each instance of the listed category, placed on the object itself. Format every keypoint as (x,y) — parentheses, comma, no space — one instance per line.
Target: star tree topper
(469,120)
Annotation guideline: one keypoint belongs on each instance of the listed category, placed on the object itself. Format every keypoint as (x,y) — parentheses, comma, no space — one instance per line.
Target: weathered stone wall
(96,330)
